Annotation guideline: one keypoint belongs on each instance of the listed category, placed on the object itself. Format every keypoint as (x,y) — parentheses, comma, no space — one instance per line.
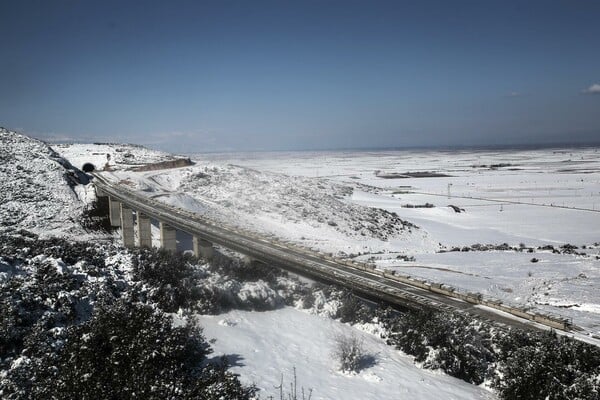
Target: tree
(130,350)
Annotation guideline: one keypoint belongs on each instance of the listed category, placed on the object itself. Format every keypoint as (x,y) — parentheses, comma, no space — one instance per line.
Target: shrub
(352,309)
(463,349)
(63,335)
(350,353)
(544,365)
(95,216)
(129,350)
(171,276)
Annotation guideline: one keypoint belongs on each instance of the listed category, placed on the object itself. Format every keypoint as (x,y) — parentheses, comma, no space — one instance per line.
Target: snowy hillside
(314,213)
(115,156)
(37,188)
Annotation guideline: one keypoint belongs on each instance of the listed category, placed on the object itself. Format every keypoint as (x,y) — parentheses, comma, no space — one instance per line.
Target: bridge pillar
(127,226)
(168,239)
(202,248)
(144,230)
(114,209)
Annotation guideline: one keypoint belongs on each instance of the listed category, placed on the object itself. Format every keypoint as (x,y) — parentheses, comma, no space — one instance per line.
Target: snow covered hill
(115,156)
(318,214)
(38,188)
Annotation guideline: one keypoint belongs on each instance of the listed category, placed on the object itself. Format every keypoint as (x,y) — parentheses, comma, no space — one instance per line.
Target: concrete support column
(127,226)
(144,230)
(114,209)
(202,248)
(168,239)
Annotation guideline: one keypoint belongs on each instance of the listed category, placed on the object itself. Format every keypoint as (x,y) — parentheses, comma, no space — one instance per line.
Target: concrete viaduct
(121,215)
(400,290)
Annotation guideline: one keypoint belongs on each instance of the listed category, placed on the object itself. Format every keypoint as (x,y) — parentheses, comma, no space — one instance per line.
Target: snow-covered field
(263,346)
(531,198)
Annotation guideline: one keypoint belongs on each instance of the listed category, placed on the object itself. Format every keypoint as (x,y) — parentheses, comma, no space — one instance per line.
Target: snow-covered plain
(534,198)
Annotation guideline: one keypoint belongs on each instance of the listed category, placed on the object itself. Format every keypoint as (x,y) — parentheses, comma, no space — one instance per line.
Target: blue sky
(252,75)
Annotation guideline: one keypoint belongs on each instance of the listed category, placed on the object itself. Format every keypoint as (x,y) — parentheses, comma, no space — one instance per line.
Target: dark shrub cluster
(24,245)
(126,350)
(242,271)
(171,278)
(352,309)
(547,366)
(95,216)
(463,347)
(176,281)
(65,335)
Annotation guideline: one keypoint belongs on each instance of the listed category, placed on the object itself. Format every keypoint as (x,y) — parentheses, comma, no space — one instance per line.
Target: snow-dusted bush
(241,271)
(95,216)
(176,281)
(457,344)
(171,277)
(352,309)
(547,366)
(258,296)
(70,329)
(350,353)
(126,350)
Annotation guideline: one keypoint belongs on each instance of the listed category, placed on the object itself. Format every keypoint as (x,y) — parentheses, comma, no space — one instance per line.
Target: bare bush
(350,352)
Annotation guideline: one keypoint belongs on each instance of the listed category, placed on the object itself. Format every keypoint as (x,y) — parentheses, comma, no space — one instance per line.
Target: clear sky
(282,75)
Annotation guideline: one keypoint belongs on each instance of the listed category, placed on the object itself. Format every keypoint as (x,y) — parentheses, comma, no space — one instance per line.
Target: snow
(315,214)
(122,156)
(332,202)
(264,345)
(34,189)
(328,201)
(539,197)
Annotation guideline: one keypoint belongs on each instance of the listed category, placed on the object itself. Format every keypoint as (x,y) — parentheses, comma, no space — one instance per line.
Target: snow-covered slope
(37,188)
(115,155)
(266,347)
(314,213)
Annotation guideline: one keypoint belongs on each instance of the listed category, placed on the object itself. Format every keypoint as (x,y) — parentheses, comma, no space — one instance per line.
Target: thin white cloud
(593,89)
(514,94)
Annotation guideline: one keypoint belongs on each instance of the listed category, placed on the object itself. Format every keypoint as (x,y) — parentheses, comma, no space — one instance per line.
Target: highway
(358,278)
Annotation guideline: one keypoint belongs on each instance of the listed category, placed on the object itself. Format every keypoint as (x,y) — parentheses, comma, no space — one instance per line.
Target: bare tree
(293,393)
